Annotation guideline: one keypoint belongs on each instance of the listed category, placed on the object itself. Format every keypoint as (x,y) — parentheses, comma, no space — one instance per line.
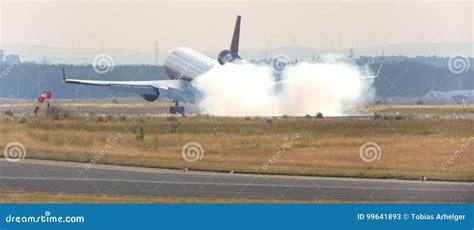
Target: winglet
(234,47)
(373,77)
(64,75)
(378,71)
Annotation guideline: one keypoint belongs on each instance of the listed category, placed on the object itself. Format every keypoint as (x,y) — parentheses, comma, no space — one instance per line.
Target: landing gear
(176,108)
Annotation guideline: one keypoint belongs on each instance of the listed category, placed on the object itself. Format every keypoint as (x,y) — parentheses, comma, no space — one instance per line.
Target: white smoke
(330,87)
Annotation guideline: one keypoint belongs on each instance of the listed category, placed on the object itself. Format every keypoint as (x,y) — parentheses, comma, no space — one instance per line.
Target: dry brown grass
(39,197)
(328,147)
(423,109)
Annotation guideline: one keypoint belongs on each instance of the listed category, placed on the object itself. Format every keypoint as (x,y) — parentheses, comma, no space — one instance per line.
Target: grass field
(410,147)
(39,197)
(424,111)
(108,106)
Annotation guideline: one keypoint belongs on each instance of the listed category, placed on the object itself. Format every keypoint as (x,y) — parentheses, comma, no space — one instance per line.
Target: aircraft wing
(179,90)
(368,77)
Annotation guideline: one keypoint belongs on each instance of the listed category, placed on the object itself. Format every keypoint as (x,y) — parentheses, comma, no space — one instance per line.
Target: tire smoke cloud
(332,87)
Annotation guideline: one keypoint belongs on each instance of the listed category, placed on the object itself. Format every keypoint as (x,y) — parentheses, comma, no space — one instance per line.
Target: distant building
(12,59)
(451,96)
(1,57)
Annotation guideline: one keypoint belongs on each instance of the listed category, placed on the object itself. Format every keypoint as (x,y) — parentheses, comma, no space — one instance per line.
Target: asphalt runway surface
(73,178)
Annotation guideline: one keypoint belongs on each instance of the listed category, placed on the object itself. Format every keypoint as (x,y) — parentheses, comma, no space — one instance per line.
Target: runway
(74,178)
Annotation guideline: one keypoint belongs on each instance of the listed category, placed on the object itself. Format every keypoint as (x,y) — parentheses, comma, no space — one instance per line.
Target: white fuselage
(186,64)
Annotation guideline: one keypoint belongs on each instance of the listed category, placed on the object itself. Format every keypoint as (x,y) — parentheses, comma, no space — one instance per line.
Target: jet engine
(227,56)
(151,97)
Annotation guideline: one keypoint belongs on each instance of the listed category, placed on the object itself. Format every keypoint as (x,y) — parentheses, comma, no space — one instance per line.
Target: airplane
(182,65)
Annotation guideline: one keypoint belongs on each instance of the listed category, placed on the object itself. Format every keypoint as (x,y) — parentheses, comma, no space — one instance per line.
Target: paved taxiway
(68,177)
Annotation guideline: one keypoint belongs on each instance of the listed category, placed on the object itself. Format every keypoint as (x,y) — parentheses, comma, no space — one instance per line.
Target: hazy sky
(208,25)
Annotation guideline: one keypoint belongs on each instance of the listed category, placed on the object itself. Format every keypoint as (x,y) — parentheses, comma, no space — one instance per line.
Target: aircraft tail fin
(234,47)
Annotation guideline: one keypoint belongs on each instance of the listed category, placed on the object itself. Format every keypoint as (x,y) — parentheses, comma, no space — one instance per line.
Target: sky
(208,25)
